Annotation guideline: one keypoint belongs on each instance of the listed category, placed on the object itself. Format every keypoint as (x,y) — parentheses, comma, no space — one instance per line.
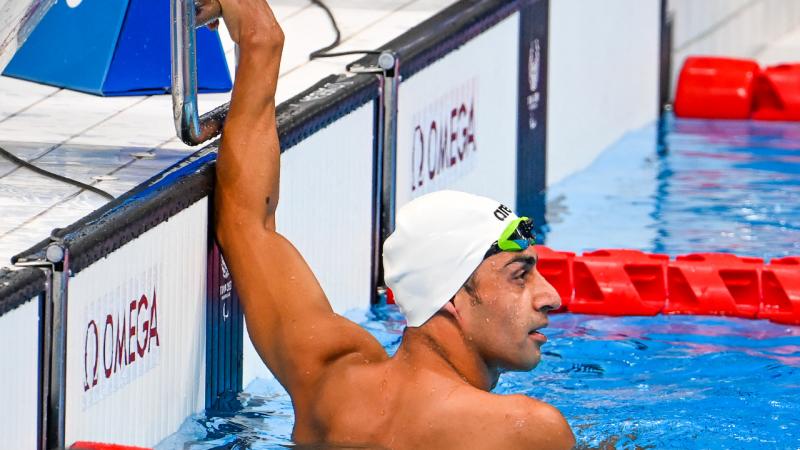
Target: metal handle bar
(186,16)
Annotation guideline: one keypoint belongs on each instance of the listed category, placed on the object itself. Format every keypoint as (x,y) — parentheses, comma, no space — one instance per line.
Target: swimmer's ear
(450,307)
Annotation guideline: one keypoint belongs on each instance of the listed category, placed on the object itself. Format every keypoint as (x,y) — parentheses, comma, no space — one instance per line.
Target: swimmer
(462,270)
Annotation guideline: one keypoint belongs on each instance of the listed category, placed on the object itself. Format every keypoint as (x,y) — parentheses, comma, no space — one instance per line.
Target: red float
(781,291)
(556,268)
(777,93)
(389,297)
(619,283)
(716,88)
(714,284)
(86,445)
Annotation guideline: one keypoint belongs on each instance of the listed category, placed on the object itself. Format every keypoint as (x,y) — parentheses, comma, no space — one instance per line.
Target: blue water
(730,186)
(657,382)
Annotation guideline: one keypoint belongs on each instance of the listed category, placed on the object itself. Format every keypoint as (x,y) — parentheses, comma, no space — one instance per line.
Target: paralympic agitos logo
(124,337)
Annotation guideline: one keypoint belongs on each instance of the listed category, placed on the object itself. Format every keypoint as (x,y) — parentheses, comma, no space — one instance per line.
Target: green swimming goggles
(516,237)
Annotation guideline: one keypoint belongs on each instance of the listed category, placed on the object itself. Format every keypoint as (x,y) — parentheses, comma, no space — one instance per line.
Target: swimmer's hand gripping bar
(186,16)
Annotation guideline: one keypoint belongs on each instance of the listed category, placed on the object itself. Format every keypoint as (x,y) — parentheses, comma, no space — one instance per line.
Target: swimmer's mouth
(537,335)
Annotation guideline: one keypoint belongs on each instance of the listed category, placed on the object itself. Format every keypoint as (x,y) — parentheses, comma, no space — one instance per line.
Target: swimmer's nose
(545,298)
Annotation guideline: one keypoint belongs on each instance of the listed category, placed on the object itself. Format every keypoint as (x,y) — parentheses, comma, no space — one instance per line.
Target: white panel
(469,94)
(603,77)
(19,374)
(735,28)
(143,398)
(325,211)
(326,206)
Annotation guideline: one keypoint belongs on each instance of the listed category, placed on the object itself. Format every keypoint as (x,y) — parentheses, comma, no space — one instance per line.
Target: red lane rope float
(86,445)
(729,88)
(716,88)
(781,288)
(777,93)
(716,284)
(621,282)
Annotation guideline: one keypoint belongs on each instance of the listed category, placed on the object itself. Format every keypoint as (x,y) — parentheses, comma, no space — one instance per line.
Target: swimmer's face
(509,303)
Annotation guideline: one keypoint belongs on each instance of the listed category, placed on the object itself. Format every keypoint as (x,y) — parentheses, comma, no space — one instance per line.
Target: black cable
(22,163)
(336,41)
(322,53)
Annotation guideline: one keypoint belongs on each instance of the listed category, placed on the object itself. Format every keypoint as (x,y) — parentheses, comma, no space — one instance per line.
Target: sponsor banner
(457,122)
(136,336)
(326,212)
(19,347)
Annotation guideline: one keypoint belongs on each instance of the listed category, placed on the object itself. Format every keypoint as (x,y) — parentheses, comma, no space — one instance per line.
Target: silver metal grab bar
(186,17)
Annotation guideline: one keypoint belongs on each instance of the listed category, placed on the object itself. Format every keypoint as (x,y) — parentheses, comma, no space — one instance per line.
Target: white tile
(39,226)
(16,95)
(64,115)
(23,150)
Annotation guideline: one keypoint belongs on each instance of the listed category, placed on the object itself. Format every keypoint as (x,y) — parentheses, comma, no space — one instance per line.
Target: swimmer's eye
(521,274)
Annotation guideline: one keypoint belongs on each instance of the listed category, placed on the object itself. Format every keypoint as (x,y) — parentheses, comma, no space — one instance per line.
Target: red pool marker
(781,291)
(389,297)
(716,88)
(86,445)
(777,93)
(714,284)
(619,283)
(556,268)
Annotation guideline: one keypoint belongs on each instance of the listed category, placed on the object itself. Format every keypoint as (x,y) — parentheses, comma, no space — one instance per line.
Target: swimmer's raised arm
(289,319)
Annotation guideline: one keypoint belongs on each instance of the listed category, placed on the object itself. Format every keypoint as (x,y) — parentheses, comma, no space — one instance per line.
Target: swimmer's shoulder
(517,421)
(535,424)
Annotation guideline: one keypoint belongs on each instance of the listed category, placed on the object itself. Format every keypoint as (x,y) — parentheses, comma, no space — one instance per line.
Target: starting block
(113,48)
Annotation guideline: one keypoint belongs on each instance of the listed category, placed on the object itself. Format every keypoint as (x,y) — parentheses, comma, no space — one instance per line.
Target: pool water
(686,186)
(673,382)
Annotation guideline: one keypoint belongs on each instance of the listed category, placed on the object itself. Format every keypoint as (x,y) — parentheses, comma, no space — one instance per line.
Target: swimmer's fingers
(207,12)
(213,25)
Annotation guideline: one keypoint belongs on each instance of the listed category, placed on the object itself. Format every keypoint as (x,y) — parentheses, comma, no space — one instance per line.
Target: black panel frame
(18,287)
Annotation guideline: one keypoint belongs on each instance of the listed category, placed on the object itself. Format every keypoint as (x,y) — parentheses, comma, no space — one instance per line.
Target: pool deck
(115,143)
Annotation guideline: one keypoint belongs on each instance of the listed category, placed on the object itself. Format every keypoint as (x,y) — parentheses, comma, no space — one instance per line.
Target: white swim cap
(438,241)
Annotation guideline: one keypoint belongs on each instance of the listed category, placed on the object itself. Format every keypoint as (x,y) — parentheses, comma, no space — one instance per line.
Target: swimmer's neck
(440,344)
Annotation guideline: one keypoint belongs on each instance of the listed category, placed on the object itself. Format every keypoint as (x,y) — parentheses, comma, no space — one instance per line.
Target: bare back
(396,405)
